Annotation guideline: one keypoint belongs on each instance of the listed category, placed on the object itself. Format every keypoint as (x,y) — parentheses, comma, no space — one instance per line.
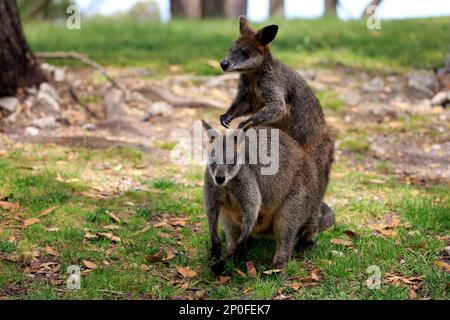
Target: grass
(424,216)
(193,45)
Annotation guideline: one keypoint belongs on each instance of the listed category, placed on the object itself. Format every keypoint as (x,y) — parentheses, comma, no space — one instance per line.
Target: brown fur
(284,206)
(273,94)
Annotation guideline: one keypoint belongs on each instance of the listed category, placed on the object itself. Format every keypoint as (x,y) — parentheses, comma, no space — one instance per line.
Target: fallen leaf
(144,268)
(343,242)
(247,290)
(223,279)
(389,233)
(90,236)
(169,255)
(46,212)
(251,271)
(88,264)
(51,251)
(153,258)
(442,264)
(295,286)
(111,227)
(114,217)
(178,222)
(350,233)
(200,294)
(10,206)
(186,272)
(269,272)
(29,222)
(109,236)
(239,272)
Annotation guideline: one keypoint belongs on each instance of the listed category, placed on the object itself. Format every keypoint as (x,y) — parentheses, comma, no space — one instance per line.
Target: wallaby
(284,205)
(278,96)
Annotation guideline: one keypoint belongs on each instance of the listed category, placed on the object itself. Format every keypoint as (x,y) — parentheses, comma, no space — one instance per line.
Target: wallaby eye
(245,54)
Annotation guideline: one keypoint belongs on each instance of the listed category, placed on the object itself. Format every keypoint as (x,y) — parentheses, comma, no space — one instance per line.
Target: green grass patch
(300,43)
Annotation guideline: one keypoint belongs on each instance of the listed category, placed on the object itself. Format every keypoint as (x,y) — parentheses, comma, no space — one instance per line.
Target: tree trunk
(277,8)
(367,12)
(213,8)
(191,9)
(331,8)
(235,8)
(18,66)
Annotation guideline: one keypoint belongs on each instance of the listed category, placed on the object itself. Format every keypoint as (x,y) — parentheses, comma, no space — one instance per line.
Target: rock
(89,127)
(115,105)
(160,108)
(47,88)
(47,100)
(31,131)
(45,122)
(441,98)
(374,85)
(59,75)
(423,83)
(9,103)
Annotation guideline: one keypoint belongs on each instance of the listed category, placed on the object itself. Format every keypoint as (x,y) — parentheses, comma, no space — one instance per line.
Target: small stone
(47,100)
(440,98)
(45,122)
(115,106)
(89,127)
(423,83)
(59,75)
(31,131)
(374,85)
(9,103)
(47,88)
(447,249)
(160,108)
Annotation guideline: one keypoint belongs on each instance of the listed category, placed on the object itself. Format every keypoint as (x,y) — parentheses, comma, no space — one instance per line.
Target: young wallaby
(278,96)
(284,205)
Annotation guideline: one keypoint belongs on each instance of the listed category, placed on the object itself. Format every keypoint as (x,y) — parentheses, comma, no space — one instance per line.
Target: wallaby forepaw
(225,120)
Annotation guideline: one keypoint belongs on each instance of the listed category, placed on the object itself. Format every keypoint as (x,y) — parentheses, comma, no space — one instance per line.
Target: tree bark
(277,8)
(213,8)
(235,8)
(191,9)
(366,13)
(18,66)
(331,8)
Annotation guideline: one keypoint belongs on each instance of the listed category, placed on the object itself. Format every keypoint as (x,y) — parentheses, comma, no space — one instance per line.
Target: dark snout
(225,64)
(220,180)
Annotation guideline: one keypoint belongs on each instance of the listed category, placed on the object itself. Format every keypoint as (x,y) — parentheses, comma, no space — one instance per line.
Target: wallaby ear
(244,26)
(267,34)
(210,131)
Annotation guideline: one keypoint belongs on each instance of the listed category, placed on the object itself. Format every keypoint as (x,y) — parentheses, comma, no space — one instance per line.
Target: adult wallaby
(275,95)
(284,204)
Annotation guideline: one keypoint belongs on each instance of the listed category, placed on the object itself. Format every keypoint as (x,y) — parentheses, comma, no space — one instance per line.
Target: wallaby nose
(220,180)
(225,64)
